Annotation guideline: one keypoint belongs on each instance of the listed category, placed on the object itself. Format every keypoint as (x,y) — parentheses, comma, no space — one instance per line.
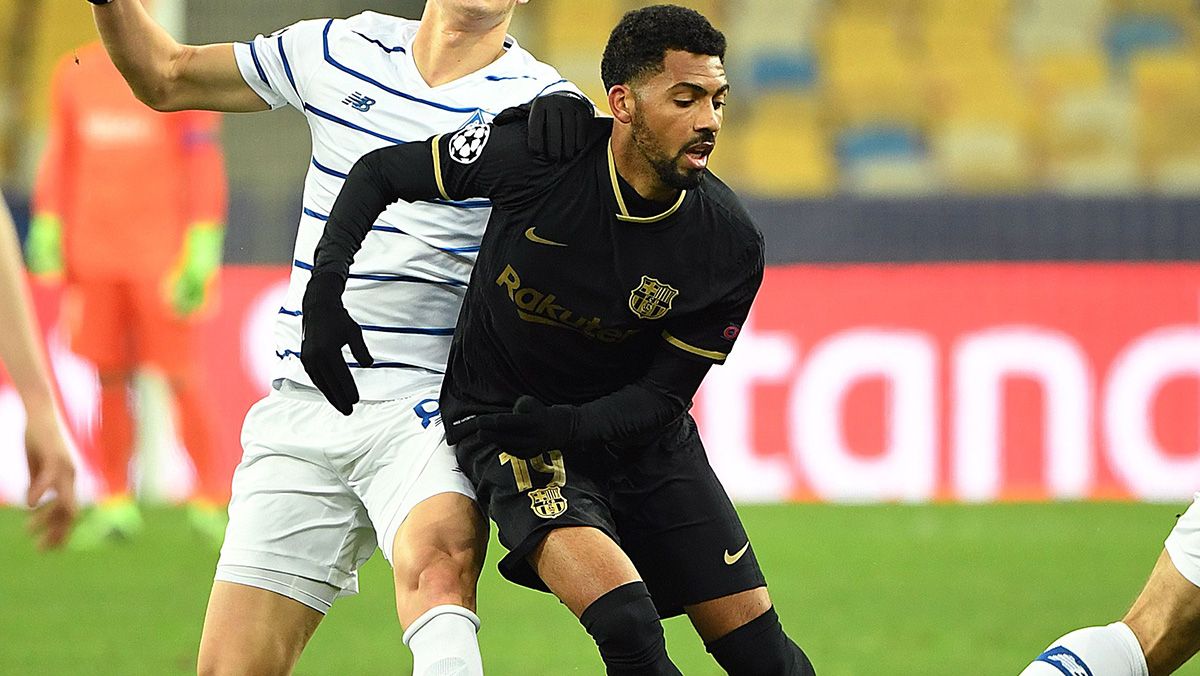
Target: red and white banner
(864,383)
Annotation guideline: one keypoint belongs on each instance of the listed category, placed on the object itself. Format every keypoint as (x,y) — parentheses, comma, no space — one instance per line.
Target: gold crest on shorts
(547,502)
(652,300)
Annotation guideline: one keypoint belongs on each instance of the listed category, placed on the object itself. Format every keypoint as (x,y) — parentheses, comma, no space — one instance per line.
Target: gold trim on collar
(624,215)
(437,166)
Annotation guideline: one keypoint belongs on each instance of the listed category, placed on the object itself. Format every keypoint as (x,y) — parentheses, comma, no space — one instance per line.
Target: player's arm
(166,75)
(44,244)
(205,204)
(648,404)
(691,346)
(406,172)
(50,466)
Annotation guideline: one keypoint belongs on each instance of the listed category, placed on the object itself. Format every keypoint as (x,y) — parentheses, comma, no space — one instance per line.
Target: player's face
(677,114)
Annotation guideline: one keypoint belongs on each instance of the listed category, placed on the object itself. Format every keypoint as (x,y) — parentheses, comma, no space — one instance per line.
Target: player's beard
(664,164)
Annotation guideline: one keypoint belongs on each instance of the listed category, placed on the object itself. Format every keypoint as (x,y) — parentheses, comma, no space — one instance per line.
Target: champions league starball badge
(467,145)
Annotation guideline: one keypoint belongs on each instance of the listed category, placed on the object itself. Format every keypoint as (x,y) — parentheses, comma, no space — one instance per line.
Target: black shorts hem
(515,567)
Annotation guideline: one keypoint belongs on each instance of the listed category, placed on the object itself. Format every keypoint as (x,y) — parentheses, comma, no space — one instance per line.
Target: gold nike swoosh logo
(731,559)
(532,237)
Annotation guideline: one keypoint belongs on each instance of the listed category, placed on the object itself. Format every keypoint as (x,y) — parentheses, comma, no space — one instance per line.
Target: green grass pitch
(866,590)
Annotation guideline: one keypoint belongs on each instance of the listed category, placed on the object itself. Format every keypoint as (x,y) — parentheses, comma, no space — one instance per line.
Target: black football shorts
(660,501)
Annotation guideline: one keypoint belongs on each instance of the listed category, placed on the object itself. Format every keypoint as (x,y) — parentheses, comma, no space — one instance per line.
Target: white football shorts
(316,492)
(1183,544)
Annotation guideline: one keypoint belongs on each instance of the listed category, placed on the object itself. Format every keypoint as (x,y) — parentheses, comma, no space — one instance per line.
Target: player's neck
(447,47)
(633,167)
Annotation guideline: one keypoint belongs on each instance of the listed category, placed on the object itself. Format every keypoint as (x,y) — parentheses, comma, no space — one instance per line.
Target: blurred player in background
(129,210)
(1159,633)
(51,470)
(316,491)
(608,284)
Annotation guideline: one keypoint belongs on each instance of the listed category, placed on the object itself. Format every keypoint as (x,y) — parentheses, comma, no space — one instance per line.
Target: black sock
(760,648)
(626,628)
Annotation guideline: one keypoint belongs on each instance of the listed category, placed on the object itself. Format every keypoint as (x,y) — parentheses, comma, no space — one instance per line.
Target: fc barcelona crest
(652,300)
(548,502)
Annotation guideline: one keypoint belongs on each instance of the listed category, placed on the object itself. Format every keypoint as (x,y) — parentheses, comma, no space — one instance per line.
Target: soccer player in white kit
(317,491)
(1159,633)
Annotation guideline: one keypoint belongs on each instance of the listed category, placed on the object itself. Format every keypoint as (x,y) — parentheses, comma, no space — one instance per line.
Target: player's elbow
(162,87)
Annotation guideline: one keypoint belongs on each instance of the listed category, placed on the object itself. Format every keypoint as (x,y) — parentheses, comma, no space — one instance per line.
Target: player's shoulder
(378,25)
(368,30)
(520,64)
(730,216)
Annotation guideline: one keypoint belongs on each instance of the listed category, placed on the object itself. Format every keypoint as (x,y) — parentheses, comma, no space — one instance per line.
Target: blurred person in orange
(129,210)
(51,470)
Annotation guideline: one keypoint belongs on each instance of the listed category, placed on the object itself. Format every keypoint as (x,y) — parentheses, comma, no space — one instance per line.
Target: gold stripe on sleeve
(437,166)
(710,354)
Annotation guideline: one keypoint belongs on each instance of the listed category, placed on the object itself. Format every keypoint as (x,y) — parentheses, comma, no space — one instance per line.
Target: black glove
(530,430)
(558,124)
(327,327)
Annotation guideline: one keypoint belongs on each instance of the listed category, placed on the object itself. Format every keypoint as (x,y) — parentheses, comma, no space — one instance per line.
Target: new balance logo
(359,102)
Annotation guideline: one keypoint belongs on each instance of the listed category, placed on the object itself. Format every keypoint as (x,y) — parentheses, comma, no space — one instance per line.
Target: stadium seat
(885,160)
(783,150)
(1056,75)
(782,70)
(983,157)
(565,36)
(1132,34)
(1167,91)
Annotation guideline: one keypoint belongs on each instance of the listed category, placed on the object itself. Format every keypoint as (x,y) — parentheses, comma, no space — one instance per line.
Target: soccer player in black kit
(606,286)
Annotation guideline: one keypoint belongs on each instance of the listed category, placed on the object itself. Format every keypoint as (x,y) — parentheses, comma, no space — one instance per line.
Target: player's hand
(530,430)
(190,282)
(558,124)
(327,327)
(44,248)
(51,471)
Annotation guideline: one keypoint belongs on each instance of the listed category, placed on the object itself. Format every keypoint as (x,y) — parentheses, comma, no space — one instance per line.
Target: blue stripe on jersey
(355,365)
(262,74)
(547,87)
(385,48)
(395,92)
(287,67)
(397,231)
(465,204)
(501,78)
(411,330)
(346,123)
(388,277)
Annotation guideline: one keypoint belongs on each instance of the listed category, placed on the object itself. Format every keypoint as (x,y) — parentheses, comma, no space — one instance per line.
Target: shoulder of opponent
(369,32)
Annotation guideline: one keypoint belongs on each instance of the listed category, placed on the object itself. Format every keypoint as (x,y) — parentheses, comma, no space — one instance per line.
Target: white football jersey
(356,82)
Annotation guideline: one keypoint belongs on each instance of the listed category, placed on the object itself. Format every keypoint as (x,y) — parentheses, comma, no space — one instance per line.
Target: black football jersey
(580,282)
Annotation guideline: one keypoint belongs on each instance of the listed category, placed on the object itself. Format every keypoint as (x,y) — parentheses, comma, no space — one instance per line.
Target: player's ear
(621,103)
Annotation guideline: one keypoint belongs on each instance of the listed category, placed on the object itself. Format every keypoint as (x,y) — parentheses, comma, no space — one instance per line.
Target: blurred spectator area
(914,102)
(912,97)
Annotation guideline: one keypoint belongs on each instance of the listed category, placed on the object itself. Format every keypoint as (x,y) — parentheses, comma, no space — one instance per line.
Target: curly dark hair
(642,38)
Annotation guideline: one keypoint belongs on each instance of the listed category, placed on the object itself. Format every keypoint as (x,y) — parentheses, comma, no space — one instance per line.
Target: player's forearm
(20,349)
(379,178)
(643,406)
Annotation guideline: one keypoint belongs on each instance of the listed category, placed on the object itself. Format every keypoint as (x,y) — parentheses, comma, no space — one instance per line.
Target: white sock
(1095,651)
(444,642)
